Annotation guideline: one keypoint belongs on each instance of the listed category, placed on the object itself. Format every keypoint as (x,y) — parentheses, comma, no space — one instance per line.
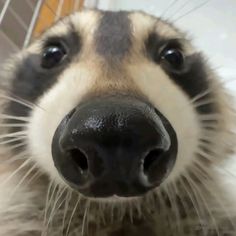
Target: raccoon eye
(53,55)
(174,57)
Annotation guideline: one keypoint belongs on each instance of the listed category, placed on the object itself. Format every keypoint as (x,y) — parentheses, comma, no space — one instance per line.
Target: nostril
(151,158)
(79,159)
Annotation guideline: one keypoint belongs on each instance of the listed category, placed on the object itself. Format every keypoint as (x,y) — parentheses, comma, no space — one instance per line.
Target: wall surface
(15,20)
(52,10)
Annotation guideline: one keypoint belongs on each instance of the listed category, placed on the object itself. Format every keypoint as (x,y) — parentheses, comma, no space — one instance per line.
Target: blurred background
(210,23)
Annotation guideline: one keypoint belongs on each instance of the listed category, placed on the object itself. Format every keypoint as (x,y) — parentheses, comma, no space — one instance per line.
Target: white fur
(174,104)
(72,85)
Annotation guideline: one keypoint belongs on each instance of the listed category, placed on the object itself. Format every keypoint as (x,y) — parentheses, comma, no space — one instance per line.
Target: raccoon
(113,123)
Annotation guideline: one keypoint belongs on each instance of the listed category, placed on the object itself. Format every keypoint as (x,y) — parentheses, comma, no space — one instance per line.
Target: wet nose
(114,146)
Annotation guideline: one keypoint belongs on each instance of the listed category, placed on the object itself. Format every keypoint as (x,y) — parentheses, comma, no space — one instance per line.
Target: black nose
(114,146)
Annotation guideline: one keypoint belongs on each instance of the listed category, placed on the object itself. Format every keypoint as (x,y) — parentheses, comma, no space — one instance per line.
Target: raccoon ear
(53,55)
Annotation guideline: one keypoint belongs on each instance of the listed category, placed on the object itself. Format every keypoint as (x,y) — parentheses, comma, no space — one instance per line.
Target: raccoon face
(115,95)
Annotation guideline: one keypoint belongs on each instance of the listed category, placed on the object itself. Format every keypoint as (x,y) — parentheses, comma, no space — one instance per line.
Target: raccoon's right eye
(53,55)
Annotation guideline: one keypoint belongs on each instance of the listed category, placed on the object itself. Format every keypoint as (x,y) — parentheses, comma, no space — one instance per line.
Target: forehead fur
(101,29)
(143,24)
(139,24)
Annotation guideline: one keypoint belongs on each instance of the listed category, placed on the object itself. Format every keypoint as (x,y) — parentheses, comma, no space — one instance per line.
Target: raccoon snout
(114,146)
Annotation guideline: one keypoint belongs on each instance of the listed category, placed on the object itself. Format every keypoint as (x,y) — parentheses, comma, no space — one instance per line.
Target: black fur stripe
(113,35)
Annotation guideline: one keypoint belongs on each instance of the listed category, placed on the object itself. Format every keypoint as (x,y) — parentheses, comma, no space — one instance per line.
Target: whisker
(12,140)
(204,154)
(68,200)
(47,204)
(172,4)
(204,102)
(101,212)
(14,134)
(25,163)
(17,157)
(181,7)
(210,133)
(200,194)
(200,96)
(85,217)
(211,158)
(175,208)
(210,117)
(34,177)
(130,212)
(138,208)
(205,144)
(192,10)
(19,101)
(182,200)
(10,117)
(72,215)
(13,125)
(22,180)
(198,209)
(55,192)
(166,212)
(208,91)
(209,125)
(12,147)
(204,173)
(56,205)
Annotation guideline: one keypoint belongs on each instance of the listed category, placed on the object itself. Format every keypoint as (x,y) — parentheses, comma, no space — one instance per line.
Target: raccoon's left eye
(53,55)
(174,57)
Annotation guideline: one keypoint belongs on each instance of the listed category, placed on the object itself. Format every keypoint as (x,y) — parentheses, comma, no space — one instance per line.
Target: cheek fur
(172,102)
(52,108)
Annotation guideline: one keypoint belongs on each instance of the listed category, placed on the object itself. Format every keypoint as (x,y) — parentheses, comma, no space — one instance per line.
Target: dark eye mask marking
(31,80)
(192,78)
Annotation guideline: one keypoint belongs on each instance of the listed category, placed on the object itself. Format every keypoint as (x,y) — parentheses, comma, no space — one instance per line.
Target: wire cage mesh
(21,20)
